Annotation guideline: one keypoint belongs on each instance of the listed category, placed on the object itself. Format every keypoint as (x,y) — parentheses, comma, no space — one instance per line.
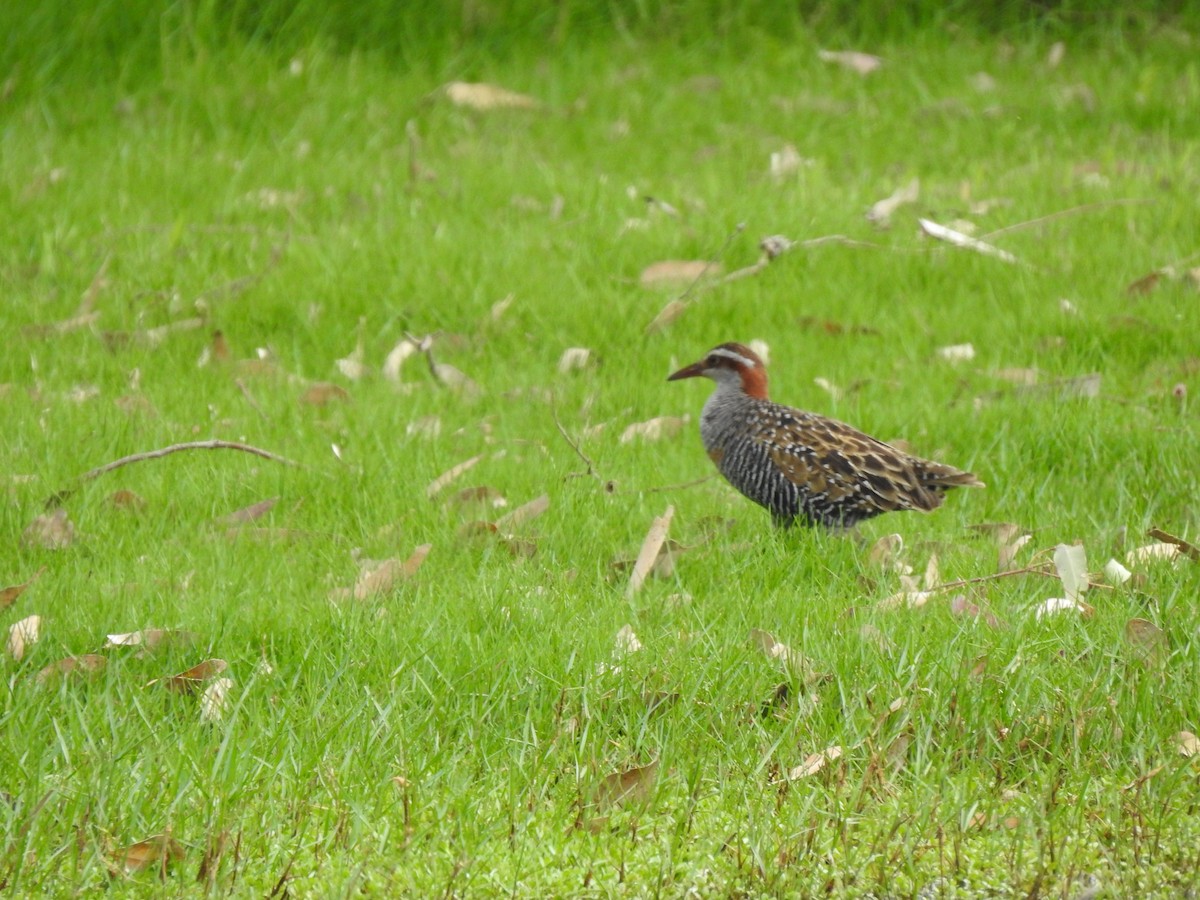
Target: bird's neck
(754,383)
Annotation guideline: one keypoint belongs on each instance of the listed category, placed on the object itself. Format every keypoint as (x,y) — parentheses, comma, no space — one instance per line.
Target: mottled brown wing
(846,466)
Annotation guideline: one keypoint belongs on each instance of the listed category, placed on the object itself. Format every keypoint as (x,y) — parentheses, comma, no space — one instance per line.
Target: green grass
(488,683)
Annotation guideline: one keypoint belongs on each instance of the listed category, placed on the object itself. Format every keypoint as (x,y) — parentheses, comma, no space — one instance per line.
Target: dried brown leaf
(666,316)
(1153,553)
(188,681)
(126,500)
(961,605)
(251,512)
(450,475)
(525,513)
(651,546)
(574,358)
(815,762)
(159,852)
(1144,285)
(628,787)
(22,635)
(675,274)
(50,531)
(9,595)
(322,393)
(483,495)
(88,664)
(381,578)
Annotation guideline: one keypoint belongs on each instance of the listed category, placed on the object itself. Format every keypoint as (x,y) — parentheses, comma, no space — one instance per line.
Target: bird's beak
(693,371)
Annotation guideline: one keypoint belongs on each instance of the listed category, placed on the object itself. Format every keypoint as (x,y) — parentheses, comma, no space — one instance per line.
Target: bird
(805,468)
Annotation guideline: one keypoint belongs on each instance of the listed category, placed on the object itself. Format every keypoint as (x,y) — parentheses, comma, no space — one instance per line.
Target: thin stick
(591,466)
(738,229)
(677,487)
(1036,569)
(176,448)
(1074,210)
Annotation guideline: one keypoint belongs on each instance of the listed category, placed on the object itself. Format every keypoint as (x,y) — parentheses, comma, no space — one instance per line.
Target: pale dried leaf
(574,358)
(654,429)
(1070,561)
(627,641)
(651,546)
(815,762)
(22,635)
(1058,50)
(854,60)
(961,605)
(483,97)
(881,210)
(525,513)
(956,353)
(958,239)
(1191,551)
(1007,552)
(886,551)
(1115,573)
(828,387)
(762,349)
(906,599)
(1026,377)
(450,475)
(1187,744)
(1062,604)
(500,307)
(628,787)
(150,638)
(787,162)
(352,365)
(677,273)
(381,578)
(425,426)
(214,702)
(933,575)
(1160,552)
(50,531)
(88,664)
(396,358)
(483,495)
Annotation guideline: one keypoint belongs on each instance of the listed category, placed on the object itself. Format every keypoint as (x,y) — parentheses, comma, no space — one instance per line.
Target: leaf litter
(9,595)
(378,578)
(648,555)
(22,635)
(72,666)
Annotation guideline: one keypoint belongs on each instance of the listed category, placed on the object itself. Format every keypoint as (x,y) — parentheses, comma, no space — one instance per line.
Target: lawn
(411,658)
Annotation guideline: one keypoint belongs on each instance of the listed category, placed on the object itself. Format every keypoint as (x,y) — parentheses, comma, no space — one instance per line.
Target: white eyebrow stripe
(734,355)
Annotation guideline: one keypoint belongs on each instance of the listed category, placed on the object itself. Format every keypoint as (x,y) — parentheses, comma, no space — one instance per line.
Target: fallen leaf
(452,377)
(1142,780)
(1063,604)
(631,786)
(50,531)
(214,701)
(574,358)
(1153,553)
(186,682)
(527,512)
(956,353)
(1026,377)
(854,60)
(150,639)
(9,595)
(1148,641)
(664,563)
(651,546)
(352,365)
(159,852)
(483,97)
(383,577)
(22,635)
(828,387)
(425,426)
(881,211)
(787,161)
(792,661)
(1191,551)
(1143,285)
(1115,573)
(958,239)
(678,273)
(815,762)
(1071,562)
(450,475)
(88,664)
(1054,58)
(1187,744)
(654,429)
(322,393)
(626,641)
(886,552)
(961,605)
(250,513)
(397,357)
